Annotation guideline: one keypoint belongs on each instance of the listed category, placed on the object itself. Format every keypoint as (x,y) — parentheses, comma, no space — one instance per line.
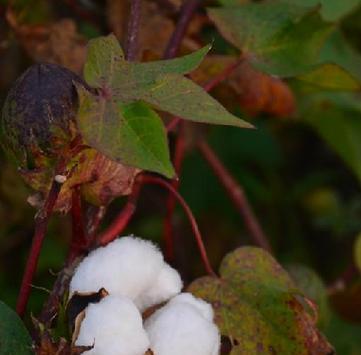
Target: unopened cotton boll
(125,267)
(183,327)
(167,285)
(114,326)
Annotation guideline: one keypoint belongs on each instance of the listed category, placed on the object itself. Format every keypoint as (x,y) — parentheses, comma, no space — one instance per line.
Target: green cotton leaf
(132,134)
(338,121)
(104,53)
(337,50)
(331,10)
(258,308)
(278,38)
(181,97)
(331,77)
(14,337)
(160,83)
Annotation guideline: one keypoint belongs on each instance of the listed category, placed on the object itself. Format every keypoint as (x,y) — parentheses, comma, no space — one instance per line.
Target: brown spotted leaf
(258,307)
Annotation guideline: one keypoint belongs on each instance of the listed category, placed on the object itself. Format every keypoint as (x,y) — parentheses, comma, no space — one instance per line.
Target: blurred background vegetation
(301,169)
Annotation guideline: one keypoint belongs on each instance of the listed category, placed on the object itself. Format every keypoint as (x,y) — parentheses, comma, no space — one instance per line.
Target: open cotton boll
(125,267)
(114,326)
(179,328)
(167,285)
(204,308)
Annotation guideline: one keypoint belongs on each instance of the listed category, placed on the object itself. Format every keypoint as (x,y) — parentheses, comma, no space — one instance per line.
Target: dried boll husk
(39,125)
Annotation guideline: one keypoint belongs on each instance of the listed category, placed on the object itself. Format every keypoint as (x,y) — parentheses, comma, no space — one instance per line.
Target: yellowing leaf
(258,307)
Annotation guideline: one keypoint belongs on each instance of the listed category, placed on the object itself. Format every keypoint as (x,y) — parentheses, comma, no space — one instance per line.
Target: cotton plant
(136,277)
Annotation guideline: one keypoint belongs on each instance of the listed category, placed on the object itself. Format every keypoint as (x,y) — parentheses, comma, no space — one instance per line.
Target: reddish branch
(79,240)
(133,29)
(179,153)
(185,17)
(236,194)
(41,224)
(122,220)
(149,179)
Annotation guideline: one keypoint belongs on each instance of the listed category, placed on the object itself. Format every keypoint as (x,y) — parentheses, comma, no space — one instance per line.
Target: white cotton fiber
(114,326)
(125,267)
(203,307)
(167,285)
(183,327)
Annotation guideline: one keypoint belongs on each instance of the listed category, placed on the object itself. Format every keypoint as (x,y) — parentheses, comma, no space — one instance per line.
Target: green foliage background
(301,174)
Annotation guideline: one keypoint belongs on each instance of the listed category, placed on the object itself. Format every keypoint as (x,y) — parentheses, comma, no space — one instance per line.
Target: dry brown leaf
(100,178)
(58,43)
(255,91)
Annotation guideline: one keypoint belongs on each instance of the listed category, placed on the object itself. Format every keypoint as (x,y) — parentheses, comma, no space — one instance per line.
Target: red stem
(122,220)
(41,224)
(79,241)
(175,41)
(179,153)
(149,179)
(223,75)
(236,194)
(133,29)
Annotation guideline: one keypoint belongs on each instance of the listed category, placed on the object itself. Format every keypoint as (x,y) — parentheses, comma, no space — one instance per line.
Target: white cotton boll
(114,326)
(125,267)
(203,307)
(180,328)
(167,285)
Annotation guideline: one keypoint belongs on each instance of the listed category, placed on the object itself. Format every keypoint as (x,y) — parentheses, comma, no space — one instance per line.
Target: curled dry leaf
(255,91)
(48,346)
(57,42)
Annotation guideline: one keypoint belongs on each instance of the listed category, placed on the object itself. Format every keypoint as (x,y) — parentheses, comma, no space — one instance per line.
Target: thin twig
(61,284)
(175,41)
(133,29)
(149,179)
(179,153)
(236,194)
(41,224)
(79,240)
(122,220)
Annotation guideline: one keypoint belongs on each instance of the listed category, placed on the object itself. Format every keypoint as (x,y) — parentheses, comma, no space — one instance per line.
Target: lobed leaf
(279,38)
(132,134)
(258,307)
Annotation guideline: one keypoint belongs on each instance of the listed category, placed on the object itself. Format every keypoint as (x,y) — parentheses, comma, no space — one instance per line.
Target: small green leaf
(258,307)
(331,77)
(279,38)
(14,337)
(132,133)
(103,57)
